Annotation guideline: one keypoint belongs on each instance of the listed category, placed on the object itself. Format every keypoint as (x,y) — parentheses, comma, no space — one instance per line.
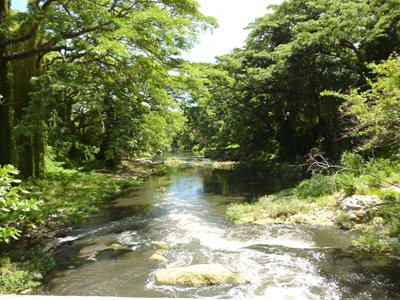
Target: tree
(373,115)
(276,107)
(102,33)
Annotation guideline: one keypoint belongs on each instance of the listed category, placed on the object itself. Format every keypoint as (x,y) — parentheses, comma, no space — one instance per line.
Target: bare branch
(319,164)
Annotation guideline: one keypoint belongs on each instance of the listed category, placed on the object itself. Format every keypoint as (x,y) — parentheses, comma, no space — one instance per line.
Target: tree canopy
(103,79)
(93,72)
(272,103)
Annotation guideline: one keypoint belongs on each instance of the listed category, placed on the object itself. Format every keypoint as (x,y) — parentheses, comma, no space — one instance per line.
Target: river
(186,210)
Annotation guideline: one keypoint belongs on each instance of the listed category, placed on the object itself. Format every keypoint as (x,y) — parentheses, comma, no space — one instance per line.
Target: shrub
(372,241)
(235,211)
(348,183)
(343,221)
(352,161)
(13,279)
(317,186)
(13,207)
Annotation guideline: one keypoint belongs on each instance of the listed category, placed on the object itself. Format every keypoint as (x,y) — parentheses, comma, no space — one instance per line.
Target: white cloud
(233,16)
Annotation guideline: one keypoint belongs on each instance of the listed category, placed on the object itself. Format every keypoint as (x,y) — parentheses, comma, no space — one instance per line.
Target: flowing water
(186,210)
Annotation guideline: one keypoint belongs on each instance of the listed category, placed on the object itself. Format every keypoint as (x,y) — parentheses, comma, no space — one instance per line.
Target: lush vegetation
(57,200)
(70,195)
(13,207)
(317,76)
(320,197)
(271,100)
(92,78)
(22,270)
(82,81)
(99,81)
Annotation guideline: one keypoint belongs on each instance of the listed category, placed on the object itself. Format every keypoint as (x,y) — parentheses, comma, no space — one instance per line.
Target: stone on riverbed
(158,258)
(359,202)
(90,252)
(161,246)
(198,275)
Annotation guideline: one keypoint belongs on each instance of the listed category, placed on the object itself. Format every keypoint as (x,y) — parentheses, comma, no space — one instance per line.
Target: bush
(352,161)
(13,279)
(371,241)
(347,182)
(236,211)
(21,270)
(343,221)
(317,186)
(13,206)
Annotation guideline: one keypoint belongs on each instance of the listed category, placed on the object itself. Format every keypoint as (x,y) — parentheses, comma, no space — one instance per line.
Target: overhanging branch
(16,40)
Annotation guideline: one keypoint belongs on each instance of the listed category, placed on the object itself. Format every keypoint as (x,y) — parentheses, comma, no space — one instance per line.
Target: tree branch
(31,52)
(47,4)
(21,39)
(351,46)
(51,45)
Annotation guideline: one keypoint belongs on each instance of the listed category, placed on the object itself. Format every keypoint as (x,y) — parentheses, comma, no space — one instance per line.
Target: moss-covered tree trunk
(27,112)
(111,158)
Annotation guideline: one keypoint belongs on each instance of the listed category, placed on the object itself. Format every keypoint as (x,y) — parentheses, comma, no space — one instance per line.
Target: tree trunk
(5,126)
(113,159)
(27,112)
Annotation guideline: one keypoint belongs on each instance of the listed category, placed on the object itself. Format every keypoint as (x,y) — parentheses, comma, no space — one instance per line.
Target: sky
(232,15)
(18,4)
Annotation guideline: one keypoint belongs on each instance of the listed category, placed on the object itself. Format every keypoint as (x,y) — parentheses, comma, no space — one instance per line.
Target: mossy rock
(161,246)
(158,258)
(91,252)
(198,275)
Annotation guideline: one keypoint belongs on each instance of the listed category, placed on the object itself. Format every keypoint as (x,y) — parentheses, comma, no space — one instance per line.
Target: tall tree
(292,55)
(105,32)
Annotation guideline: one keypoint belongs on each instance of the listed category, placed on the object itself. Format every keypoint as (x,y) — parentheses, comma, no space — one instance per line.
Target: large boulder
(198,275)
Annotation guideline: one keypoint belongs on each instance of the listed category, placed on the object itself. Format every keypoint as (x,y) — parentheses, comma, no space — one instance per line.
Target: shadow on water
(186,209)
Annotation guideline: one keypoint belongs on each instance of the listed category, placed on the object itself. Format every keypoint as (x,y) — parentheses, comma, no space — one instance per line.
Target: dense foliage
(102,80)
(267,99)
(374,114)
(13,207)
(91,78)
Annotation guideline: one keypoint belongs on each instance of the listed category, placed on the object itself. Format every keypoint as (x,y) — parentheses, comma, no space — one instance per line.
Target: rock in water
(198,275)
(90,252)
(161,246)
(158,258)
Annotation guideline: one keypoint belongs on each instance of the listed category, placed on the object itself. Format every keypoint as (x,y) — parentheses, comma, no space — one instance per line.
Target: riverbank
(66,196)
(367,200)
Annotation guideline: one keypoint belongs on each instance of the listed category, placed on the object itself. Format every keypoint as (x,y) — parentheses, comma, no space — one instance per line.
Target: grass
(71,196)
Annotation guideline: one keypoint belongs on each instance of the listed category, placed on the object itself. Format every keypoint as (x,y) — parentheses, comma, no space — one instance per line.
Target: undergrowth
(22,270)
(70,195)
